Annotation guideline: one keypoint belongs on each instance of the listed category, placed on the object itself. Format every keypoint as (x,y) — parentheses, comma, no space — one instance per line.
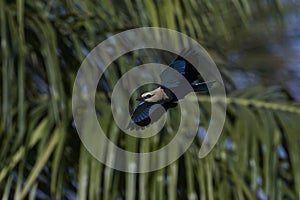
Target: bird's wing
(147,113)
(141,112)
(170,78)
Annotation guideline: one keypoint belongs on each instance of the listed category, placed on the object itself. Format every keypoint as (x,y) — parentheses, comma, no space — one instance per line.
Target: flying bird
(149,110)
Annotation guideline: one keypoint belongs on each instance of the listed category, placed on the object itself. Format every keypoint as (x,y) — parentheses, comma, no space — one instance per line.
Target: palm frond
(42,46)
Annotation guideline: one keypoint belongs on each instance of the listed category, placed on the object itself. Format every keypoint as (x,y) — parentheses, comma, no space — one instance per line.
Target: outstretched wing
(171,79)
(147,113)
(141,113)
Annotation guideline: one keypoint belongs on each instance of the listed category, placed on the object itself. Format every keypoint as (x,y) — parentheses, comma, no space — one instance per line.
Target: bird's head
(154,96)
(145,97)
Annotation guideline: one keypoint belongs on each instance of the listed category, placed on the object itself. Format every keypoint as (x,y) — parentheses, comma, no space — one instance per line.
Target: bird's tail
(202,87)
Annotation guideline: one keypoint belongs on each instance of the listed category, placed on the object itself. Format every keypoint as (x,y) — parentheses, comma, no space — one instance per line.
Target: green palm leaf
(42,46)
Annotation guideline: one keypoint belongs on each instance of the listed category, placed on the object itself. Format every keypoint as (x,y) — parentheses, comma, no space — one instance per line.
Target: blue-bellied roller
(146,113)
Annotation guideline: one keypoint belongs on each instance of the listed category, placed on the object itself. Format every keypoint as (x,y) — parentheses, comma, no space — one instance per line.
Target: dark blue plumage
(146,113)
(172,79)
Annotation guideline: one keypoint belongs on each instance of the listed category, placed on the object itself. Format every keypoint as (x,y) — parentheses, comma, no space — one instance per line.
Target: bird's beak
(140,99)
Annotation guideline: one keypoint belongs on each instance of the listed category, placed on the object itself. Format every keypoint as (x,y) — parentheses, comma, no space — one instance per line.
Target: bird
(149,110)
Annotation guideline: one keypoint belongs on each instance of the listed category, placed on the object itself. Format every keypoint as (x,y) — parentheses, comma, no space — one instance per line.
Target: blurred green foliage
(42,46)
